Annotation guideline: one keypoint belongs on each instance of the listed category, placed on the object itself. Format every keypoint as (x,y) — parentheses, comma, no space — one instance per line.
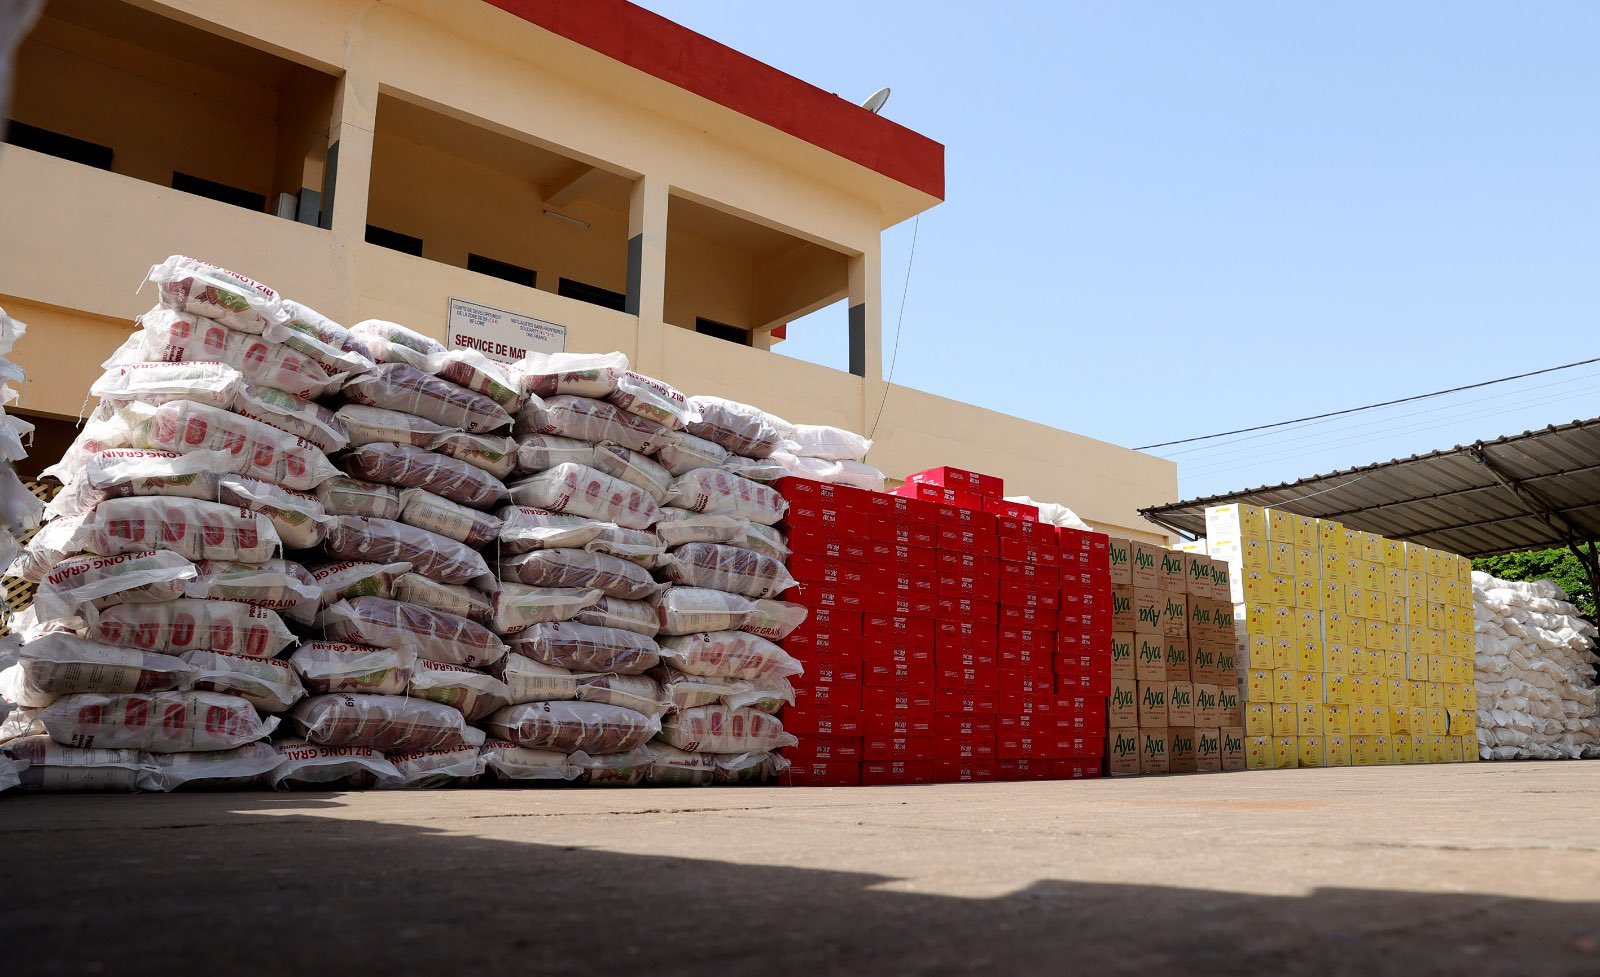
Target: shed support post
(1540,506)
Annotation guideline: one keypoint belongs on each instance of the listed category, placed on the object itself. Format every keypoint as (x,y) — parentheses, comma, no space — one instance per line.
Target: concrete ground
(1469,869)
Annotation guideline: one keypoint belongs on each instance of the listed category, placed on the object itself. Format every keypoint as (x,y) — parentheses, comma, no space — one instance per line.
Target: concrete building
(589,164)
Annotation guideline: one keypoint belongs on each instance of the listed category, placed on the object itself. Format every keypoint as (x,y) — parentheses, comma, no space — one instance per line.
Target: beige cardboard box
(1146,565)
(1202,617)
(1177,656)
(1258,752)
(1123,615)
(1147,604)
(1150,657)
(1172,568)
(1229,706)
(1258,718)
(1153,749)
(1181,749)
(1199,578)
(1203,665)
(1221,580)
(1175,614)
(1121,565)
(1123,751)
(1205,705)
(1227,665)
(1207,749)
(1153,704)
(1232,747)
(1122,658)
(1122,709)
(1180,703)
(1310,750)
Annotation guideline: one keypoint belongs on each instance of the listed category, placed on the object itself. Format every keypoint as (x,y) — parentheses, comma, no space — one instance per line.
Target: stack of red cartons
(952,636)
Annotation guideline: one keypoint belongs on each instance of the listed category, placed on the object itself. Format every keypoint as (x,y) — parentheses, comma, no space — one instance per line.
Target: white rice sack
(345,496)
(329,344)
(407,467)
(719,729)
(277,585)
(428,634)
(436,514)
(637,692)
(458,766)
(613,769)
(611,575)
(524,529)
(213,384)
(471,369)
(176,626)
(295,415)
(240,768)
(337,666)
(378,425)
(598,421)
(262,451)
(387,723)
(266,683)
(529,681)
(508,761)
(684,691)
(672,767)
(689,452)
(517,607)
(633,467)
(691,610)
(724,493)
(472,692)
(495,454)
(585,648)
(828,443)
(49,766)
(855,474)
(55,542)
(299,518)
(77,581)
(385,541)
(590,727)
(613,612)
(653,400)
(390,342)
(738,769)
(193,529)
(580,374)
(60,663)
(398,387)
(729,654)
(679,527)
(177,337)
(457,599)
(542,452)
(577,490)
(775,619)
(766,470)
(302,763)
(347,580)
(740,428)
(101,433)
(203,289)
(733,569)
(158,722)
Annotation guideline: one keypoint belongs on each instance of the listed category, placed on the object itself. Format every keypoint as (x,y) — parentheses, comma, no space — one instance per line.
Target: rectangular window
(57,145)
(201,187)
(501,269)
(593,294)
(733,334)
(394,240)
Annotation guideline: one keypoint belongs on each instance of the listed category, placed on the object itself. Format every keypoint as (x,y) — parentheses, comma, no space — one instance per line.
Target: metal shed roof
(1538,488)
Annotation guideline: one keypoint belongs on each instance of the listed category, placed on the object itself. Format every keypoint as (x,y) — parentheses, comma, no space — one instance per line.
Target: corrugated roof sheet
(1446,499)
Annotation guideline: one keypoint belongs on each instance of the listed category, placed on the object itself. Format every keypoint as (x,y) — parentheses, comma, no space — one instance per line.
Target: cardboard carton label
(1207,749)
(1181,749)
(1124,751)
(1153,749)
(1180,703)
(1150,658)
(1153,704)
(1118,550)
(1123,709)
(1147,608)
(1233,757)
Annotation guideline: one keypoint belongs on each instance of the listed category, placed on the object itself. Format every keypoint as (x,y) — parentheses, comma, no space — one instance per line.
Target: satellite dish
(875,103)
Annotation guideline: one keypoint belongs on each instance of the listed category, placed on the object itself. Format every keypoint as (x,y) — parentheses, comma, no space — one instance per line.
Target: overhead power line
(1357,410)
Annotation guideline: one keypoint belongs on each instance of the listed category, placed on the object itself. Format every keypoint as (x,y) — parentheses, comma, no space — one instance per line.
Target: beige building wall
(74,240)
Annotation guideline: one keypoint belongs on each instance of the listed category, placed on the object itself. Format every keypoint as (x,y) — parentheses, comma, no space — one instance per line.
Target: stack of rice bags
(19,508)
(152,650)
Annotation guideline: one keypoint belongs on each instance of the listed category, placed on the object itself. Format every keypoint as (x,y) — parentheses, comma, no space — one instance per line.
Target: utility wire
(898,320)
(1386,403)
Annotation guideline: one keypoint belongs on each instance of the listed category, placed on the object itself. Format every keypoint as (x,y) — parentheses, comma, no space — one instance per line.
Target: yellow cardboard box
(1394,612)
(1285,685)
(1416,558)
(1336,688)
(1436,615)
(1394,553)
(1469,748)
(1235,521)
(1416,695)
(1258,718)
(1330,535)
(1394,664)
(1399,719)
(1335,658)
(1377,634)
(1285,653)
(1332,562)
(1282,588)
(1308,687)
(1308,592)
(1335,626)
(1335,750)
(1280,556)
(1400,747)
(1312,658)
(1286,752)
(1310,750)
(1335,719)
(1374,690)
(1362,750)
(1438,722)
(1305,531)
(1258,752)
(1355,599)
(1372,547)
(1438,751)
(1280,524)
(1285,719)
(1308,719)
(1307,561)
(1259,684)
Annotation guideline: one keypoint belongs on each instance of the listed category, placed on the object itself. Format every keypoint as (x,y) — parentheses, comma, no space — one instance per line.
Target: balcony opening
(394,240)
(470,190)
(743,280)
(107,84)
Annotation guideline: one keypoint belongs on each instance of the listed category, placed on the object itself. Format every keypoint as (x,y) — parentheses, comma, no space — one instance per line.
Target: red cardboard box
(965,771)
(1011,637)
(898,627)
(963,724)
(992,486)
(805,722)
(956,677)
(1050,746)
(1014,510)
(1028,551)
(901,508)
(879,553)
(1022,595)
(965,517)
(878,773)
(1074,769)
(819,569)
(1080,640)
(963,656)
(1069,662)
(979,586)
(876,746)
(1024,660)
(884,529)
(1027,617)
(957,562)
(823,773)
(972,701)
(887,699)
(941,494)
(1080,541)
(967,540)
(979,747)
(896,650)
(829,516)
(792,487)
(959,633)
(1048,703)
(1032,574)
(959,608)
(905,674)
(1081,684)
(828,695)
(897,723)
(1052,723)
(831,543)
(820,595)
(1022,768)
(900,579)
(828,633)
(1015,685)
(825,749)
(879,600)
(1028,531)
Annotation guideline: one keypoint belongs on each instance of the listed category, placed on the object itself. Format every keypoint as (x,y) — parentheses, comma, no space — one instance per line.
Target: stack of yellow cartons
(1354,649)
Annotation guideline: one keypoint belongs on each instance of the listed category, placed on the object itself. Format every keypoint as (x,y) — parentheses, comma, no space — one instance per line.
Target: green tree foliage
(1556,564)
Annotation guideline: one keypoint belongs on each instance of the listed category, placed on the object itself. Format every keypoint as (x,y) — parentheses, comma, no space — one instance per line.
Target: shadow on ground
(250,892)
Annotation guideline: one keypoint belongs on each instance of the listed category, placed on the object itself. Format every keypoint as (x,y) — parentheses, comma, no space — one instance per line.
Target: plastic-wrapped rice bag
(350,579)
(689,453)
(740,769)
(728,654)
(691,610)
(385,541)
(634,545)
(324,341)
(457,599)
(475,694)
(828,443)
(598,421)
(524,529)
(508,761)
(302,763)
(77,581)
(653,400)
(277,585)
(715,566)
(724,493)
(186,624)
(740,428)
(775,619)
(613,769)
(436,514)
(638,616)
(337,666)
(495,454)
(577,490)
(388,723)
(408,467)
(266,683)
(159,722)
(633,467)
(305,420)
(672,767)
(298,517)
(390,342)
(684,691)
(767,540)
(120,472)
(529,681)
(378,425)
(55,542)
(766,470)
(428,634)
(396,386)
(579,374)
(855,474)
(611,575)
(458,766)
(203,289)
(103,431)
(177,337)
(517,607)
(541,452)
(471,369)
(719,729)
(48,765)
(242,767)
(213,384)
(346,496)
(590,727)
(261,451)
(60,663)
(586,648)
(637,692)
(679,527)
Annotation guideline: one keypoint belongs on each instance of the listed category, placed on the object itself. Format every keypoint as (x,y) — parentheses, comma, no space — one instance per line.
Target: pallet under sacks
(952,636)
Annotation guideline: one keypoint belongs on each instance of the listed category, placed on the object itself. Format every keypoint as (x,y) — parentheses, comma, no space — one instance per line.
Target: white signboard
(501,335)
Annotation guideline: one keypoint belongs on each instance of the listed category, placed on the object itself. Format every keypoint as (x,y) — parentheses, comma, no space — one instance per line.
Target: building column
(647,270)
(866,330)
(349,166)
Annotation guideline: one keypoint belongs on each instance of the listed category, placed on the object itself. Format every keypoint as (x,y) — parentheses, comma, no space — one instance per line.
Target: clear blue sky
(1166,219)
